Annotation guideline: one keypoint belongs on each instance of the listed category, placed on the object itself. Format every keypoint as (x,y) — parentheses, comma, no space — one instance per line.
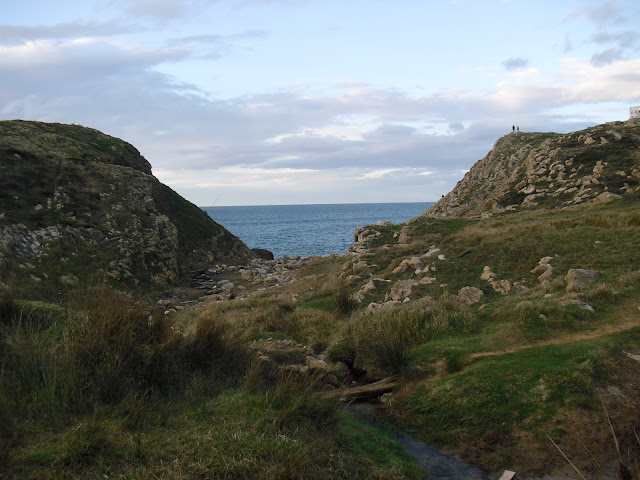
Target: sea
(307,230)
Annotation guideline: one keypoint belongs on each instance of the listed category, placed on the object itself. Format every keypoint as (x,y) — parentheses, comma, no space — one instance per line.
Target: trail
(629,311)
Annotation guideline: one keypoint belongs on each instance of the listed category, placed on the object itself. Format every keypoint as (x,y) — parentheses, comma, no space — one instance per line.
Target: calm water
(308,229)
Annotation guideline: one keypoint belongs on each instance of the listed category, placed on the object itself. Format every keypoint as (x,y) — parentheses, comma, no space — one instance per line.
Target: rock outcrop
(76,203)
(550,170)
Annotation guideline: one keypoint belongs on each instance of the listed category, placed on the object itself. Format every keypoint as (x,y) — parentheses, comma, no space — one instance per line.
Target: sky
(264,102)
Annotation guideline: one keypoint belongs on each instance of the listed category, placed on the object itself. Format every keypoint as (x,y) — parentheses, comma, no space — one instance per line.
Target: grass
(106,388)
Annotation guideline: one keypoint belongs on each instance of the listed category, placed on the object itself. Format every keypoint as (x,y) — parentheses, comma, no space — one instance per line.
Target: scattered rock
(470,295)
(405,237)
(401,290)
(368,287)
(69,280)
(503,287)
(579,304)
(577,278)
(487,274)
(606,197)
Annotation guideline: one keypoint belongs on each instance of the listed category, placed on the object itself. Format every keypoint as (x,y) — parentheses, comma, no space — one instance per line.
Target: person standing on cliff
(518,129)
(513,128)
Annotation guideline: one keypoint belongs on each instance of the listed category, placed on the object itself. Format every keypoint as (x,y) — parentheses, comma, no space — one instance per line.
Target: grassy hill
(79,206)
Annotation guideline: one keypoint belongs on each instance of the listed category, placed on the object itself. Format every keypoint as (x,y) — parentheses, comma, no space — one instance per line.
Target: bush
(215,350)
(383,340)
(344,300)
(108,351)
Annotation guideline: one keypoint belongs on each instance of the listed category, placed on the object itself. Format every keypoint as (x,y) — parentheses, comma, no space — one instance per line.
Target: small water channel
(437,464)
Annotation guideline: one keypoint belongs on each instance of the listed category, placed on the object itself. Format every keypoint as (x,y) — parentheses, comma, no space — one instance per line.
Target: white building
(634,112)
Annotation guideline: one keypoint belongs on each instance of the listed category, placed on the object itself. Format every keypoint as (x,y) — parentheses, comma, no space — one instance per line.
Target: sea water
(307,230)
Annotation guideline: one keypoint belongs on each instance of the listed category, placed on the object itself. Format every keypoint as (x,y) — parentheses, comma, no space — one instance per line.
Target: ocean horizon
(308,229)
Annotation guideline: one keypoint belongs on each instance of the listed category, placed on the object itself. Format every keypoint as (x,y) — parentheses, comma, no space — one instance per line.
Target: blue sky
(253,102)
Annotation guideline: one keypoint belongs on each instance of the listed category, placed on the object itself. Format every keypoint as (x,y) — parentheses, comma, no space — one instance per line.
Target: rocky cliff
(550,170)
(76,203)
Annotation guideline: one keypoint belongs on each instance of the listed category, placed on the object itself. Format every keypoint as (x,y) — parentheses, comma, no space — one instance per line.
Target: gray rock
(401,290)
(470,295)
(577,278)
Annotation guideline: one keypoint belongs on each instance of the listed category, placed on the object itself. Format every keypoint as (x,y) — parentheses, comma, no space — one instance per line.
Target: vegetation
(106,387)
(96,383)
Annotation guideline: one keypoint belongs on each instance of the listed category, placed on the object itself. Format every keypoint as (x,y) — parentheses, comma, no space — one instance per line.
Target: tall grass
(383,341)
(107,351)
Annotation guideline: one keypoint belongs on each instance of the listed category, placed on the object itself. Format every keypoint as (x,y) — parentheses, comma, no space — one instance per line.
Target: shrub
(215,350)
(381,342)
(9,310)
(277,315)
(109,351)
(344,300)
(384,340)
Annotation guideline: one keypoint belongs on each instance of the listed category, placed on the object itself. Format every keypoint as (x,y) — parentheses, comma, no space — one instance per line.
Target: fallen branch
(363,391)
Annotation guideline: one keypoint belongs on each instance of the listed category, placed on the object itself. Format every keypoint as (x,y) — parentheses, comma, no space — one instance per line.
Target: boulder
(262,253)
(577,278)
(405,236)
(606,197)
(374,307)
(544,270)
(401,290)
(503,287)
(487,274)
(368,287)
(316,365)
(470,295)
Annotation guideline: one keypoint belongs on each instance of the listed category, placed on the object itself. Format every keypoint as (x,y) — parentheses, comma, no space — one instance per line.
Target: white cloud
(350,140)
(379,173)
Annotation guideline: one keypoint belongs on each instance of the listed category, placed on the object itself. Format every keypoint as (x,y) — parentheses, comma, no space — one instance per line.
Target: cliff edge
(549,170)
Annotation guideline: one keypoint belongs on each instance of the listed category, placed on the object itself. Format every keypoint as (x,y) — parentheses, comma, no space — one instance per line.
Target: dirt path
(628,312)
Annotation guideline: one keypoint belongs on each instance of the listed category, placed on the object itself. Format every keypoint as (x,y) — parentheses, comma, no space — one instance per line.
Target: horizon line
(310,204)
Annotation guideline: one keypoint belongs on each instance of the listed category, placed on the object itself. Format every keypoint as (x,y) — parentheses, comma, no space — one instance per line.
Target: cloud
(91,55)
(17,34)
(624,39)
(606,57)
(603,14)
(157,10)
(456,127)
(352,141)
(515,63)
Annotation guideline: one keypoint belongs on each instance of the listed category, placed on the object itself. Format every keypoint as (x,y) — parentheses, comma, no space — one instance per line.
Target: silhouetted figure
(513,127)
(518,129)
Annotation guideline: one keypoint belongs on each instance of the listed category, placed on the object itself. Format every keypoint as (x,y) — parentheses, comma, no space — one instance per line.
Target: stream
(437,464)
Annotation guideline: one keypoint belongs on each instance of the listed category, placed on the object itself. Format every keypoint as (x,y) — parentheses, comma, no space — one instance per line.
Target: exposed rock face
(75,202)
(530,170)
